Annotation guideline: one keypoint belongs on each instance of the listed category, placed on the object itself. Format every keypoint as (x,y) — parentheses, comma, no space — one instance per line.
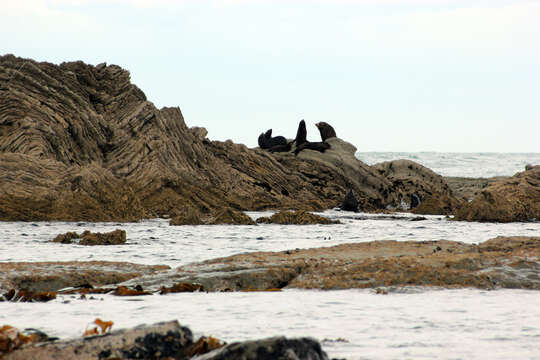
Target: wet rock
(116,237)
(269,349)
(503,262)
(53,276)
(419,188)
(350,202)
(29,296)
(514,199)
(225,216)
(296,218)
(158,341)
(468,188)
(181,287)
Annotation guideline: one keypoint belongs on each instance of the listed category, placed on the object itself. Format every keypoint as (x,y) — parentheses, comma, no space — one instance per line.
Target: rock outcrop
(52,276)
(513,199)
(115,237)
(414,182)
(296,218)
(226,216)
(80,142)
(504,262)
(165,340)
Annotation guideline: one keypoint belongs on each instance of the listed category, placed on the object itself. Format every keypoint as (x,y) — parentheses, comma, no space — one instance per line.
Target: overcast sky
(389,75)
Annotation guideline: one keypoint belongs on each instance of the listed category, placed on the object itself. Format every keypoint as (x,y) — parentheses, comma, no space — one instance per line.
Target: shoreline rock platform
(503,262)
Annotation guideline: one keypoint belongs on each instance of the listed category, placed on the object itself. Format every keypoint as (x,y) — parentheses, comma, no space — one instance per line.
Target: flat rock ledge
(53,276)
(167,340)
(502,262)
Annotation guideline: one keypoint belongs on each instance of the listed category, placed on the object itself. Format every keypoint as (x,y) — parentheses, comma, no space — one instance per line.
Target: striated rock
(295,218)
(414,181)
(514,199)
(509,262)
(116,237)
(269,349)
(80,142)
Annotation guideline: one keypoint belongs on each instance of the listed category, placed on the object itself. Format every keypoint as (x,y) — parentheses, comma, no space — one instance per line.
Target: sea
(407,323)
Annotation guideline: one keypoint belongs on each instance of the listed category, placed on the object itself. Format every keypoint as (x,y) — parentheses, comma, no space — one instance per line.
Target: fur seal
(266,141)
(320,146)
(415,201)
(350,202)
(302,143)
(301,134)
(326,130)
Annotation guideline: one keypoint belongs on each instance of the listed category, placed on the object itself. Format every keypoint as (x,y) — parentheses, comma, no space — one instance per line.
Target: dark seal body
(266,141)
(350,202)
(317,146)
(301,134)
(326,130)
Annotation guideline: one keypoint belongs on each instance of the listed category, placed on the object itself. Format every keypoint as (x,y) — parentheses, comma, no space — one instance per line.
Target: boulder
(296,218)
(269,349)
(513,199)
(417,185)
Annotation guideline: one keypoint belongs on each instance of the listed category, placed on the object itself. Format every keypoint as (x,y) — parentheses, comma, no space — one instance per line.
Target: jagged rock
(269,349)
(295,218)
(513,199)
(410,179)
(116,237)
(80,142)
(199,132)
(350,202)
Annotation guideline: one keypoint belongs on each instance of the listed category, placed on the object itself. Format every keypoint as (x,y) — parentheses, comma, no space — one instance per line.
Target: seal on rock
(301,134)
(302,143)
(350,202)
(266,141)
(326,130)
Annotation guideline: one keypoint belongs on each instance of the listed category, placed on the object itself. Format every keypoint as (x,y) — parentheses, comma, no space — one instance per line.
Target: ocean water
(474,165)
(407,323)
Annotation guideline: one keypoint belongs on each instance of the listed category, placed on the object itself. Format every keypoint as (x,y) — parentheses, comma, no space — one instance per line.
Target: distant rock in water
(226,216)
(513,199)
(350,202)
(296,218)
(116,237)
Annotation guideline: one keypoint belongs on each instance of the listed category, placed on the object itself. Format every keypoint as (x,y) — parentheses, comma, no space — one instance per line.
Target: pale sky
(389,75)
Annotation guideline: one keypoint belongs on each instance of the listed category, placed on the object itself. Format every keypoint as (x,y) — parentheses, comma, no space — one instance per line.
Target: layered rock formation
(513,199)
(80,142)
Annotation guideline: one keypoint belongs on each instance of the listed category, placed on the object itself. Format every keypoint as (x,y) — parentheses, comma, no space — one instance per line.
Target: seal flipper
(301,134)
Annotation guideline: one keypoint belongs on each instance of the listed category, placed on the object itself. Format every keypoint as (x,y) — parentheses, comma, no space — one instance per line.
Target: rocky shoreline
(82,143)
(503,262)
